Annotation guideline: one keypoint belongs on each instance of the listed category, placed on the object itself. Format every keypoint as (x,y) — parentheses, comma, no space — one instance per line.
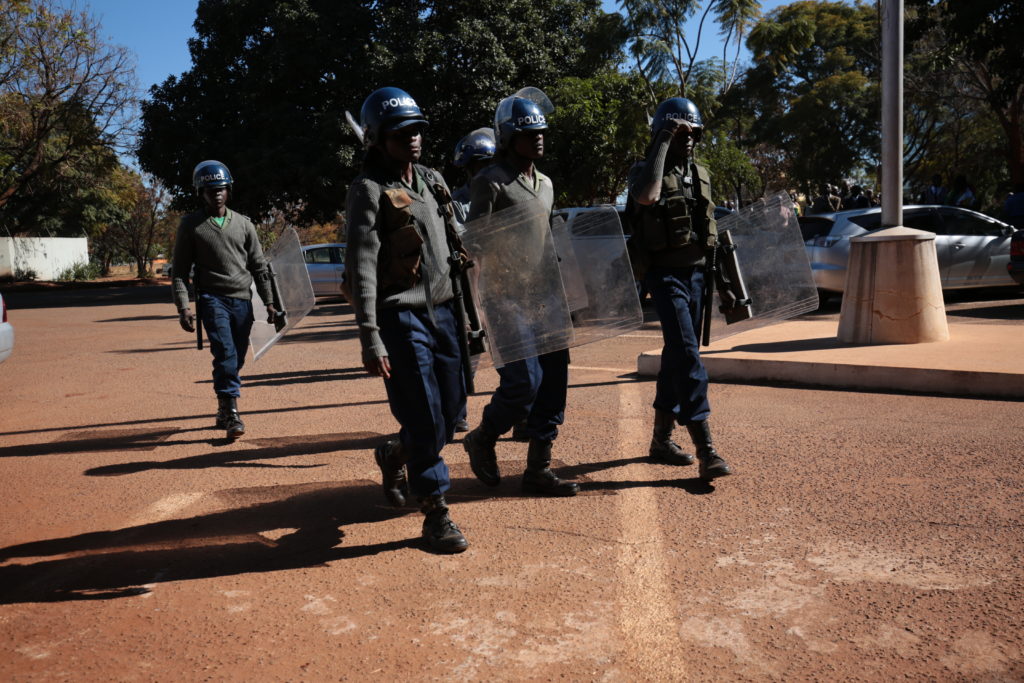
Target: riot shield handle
(736,304)
(279,318)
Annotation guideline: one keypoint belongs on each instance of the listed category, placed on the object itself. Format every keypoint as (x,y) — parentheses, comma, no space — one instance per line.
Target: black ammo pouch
(399,265)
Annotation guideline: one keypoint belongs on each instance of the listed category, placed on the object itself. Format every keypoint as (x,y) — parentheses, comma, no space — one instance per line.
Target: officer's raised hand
(678,125)
(187,320)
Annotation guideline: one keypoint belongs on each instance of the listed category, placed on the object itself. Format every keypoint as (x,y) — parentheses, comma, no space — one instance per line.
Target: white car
(6,333)
(973,249)
(325,264)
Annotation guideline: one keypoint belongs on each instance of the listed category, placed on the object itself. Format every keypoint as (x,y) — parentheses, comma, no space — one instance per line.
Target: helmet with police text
(526,110)
(476,146)
(678,108)
(211,173)
(388,109)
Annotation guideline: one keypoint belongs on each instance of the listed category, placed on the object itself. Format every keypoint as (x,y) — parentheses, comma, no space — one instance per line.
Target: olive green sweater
(226,258)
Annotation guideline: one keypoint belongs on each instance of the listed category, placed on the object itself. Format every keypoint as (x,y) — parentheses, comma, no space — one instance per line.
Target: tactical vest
(400,261)
(683,216)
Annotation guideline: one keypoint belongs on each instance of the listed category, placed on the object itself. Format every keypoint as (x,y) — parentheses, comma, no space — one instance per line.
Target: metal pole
(892,113)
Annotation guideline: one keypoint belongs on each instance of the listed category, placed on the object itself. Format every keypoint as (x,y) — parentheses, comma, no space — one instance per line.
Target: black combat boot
(390,459)
(479,443)
(461,426)
(663,448)
(711,465)
(520,433)
(439,531)
(228,418)
(538,479)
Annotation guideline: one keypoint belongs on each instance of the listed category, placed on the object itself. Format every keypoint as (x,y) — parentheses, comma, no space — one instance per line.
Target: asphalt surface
(864,536)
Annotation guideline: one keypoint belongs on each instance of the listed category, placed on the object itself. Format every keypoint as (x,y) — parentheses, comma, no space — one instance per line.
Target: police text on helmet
(206,177)
(682,116)
(531,120)
(397,102)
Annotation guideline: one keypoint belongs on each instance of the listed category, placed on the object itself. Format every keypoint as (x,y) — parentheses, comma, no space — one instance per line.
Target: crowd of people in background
(832,197)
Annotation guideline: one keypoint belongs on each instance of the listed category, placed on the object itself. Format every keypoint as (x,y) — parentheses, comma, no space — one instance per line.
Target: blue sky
(158,32)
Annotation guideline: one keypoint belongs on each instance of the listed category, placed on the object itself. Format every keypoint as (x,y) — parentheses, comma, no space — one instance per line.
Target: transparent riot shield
(568,266)
(612,305)
(772,258)
(292,285)
(517,286)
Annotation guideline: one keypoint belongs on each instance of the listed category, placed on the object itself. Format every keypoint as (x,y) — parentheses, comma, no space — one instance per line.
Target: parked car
(1016,265)
(973,249)
(6,333)
(325,264)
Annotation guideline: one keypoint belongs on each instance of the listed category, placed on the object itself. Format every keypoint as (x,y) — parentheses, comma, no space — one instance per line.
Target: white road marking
(167,507)
(647,616)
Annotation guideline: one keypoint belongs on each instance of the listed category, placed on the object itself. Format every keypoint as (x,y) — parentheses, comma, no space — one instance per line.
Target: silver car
(973,249)
(325,264)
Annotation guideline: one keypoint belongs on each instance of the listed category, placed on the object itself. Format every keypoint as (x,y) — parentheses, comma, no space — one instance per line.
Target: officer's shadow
(281,528)
(465,486)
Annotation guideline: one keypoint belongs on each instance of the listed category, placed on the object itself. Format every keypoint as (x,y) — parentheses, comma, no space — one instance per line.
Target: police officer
(225,250)
(674,227)
(473,153)
(534,388)
(402,295)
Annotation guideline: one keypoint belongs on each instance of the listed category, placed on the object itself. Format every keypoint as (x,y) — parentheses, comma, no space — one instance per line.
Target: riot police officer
(674,228)
(534,388)
(224,249)
(473,153)
(397,261)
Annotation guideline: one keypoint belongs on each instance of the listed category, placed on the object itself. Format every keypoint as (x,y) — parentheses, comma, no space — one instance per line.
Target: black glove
(187,320)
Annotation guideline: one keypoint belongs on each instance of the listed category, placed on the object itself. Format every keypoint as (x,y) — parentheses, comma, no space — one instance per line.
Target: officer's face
(215,199)
(683,142)
(529,144)
(405,144)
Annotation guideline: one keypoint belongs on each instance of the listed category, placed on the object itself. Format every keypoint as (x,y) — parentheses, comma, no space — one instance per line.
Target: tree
(65,98)
(976,46)
(598,129)
(813,92)
(664,53)
(271,80)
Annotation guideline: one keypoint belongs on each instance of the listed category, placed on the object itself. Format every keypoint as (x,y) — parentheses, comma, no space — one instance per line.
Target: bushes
(83,270)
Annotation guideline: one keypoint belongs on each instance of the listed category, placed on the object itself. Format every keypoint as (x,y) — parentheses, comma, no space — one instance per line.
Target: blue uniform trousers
(534,389)
(227,321)
(682,387)
(426,390)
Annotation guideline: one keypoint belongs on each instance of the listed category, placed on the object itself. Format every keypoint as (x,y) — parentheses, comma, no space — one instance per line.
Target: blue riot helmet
(525,110)
(476,146)
(678,108)
(388,109)
(211,173)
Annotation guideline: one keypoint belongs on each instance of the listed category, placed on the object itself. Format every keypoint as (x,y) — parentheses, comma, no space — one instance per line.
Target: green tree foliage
(597,130)
(967,58)
(271,80)
(812,95)
(65,100)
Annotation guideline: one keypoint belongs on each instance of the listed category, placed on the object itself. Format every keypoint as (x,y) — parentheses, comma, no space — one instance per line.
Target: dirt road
(864,536)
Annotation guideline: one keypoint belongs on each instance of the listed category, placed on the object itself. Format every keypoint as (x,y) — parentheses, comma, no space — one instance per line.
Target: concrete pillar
(893,294)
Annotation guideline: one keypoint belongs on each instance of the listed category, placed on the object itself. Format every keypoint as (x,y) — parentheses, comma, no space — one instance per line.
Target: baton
(709,292)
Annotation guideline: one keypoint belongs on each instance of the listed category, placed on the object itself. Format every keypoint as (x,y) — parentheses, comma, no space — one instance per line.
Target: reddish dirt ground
(863,537)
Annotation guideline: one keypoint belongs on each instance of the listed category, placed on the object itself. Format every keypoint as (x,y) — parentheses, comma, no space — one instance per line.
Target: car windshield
(812,226)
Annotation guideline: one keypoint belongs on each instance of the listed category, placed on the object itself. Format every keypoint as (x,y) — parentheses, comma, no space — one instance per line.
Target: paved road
(864,536)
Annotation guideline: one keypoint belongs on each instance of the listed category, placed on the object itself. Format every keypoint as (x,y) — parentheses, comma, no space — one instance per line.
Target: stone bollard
(893,294)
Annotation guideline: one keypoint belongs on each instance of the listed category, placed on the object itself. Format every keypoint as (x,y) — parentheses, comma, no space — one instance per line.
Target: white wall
(47,256)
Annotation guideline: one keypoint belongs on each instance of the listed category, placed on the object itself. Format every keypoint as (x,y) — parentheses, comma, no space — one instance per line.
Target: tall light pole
(892,113)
